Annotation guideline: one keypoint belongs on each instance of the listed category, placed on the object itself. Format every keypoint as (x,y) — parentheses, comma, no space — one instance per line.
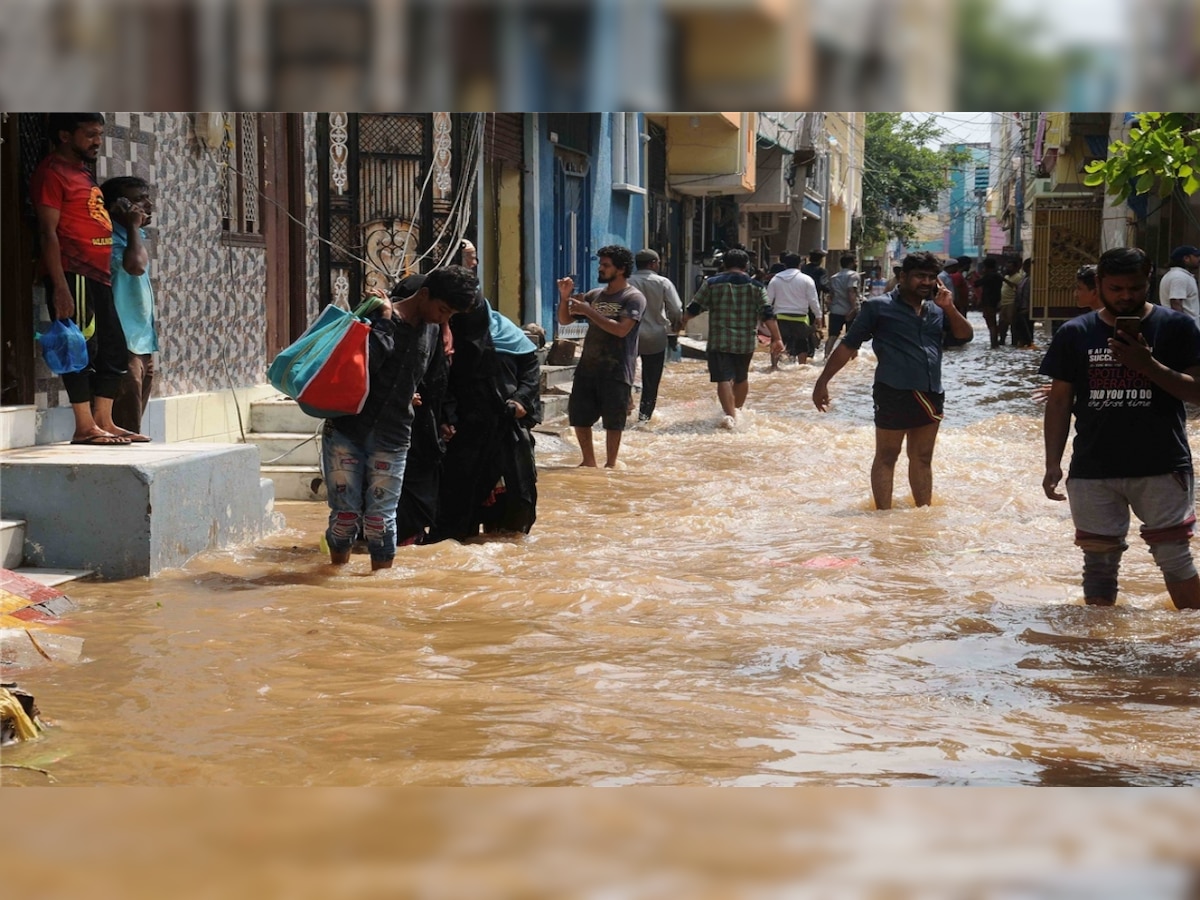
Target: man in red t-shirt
(76,239)
(962,288)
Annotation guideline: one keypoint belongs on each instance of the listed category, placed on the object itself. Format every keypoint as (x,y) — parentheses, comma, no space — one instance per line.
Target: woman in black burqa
(492,403)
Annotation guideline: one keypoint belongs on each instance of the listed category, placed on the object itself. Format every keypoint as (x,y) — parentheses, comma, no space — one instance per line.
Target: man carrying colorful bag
(363,455)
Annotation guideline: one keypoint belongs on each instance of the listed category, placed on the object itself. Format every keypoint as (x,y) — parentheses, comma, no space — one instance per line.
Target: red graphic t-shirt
(84,228)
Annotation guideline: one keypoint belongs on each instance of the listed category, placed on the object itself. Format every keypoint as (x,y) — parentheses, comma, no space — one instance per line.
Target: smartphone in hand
(1130,326)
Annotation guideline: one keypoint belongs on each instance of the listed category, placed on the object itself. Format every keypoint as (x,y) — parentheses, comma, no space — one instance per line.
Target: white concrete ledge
(125,511)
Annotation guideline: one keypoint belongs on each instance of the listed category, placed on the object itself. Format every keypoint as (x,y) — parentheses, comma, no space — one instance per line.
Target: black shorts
(724,366)
(897,410)
(836,321)
(108,357)
(795,336)
(605,399)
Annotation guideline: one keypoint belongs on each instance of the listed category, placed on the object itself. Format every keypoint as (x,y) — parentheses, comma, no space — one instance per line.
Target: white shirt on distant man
(1179,282)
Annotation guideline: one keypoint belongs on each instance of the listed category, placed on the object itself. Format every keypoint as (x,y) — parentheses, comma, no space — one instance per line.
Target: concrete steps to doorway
(556,391)
(289,444)
(12,557)
(289,448)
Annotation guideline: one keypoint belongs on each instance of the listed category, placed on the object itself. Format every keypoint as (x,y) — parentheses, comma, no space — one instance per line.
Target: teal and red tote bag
(325,369)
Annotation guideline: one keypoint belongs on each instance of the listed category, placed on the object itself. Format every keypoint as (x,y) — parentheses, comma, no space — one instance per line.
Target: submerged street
(722,609)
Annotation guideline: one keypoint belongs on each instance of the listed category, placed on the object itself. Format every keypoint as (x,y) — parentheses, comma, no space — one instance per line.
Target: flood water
(723,609)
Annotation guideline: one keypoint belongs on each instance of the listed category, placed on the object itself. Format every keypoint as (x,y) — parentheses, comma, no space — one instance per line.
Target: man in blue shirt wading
(907,328)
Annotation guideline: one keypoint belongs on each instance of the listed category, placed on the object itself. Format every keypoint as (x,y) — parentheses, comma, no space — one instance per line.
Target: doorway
(572,218)
(23,143)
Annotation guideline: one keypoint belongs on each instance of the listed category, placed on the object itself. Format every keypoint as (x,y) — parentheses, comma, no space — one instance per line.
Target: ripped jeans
(362,484)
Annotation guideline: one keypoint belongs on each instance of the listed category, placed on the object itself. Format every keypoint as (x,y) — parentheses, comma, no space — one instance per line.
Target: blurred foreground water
(724,609)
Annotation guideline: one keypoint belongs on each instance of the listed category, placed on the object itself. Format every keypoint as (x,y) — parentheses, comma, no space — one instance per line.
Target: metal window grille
(243,175)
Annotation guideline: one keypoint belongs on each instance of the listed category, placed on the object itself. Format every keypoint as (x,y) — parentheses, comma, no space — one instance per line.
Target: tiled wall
(209,296)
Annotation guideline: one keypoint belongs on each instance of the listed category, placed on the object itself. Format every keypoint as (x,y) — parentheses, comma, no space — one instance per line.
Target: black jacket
(397,359)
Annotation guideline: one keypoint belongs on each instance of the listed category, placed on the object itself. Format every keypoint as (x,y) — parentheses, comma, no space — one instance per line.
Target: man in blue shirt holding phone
(907,328)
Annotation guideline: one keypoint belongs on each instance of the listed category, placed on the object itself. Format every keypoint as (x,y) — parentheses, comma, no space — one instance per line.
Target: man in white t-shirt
(793,296)
(1178,289)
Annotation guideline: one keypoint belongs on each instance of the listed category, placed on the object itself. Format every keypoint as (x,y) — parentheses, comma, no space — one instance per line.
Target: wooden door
(282,216)
(572,228)
(22,145)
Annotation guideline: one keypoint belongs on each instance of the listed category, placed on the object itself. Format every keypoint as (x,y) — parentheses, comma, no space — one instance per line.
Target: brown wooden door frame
(298,243)
(16,275)
(283,189)
(275,231)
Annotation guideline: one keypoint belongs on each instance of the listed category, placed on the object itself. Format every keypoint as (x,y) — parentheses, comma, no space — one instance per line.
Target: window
(242,175)
(627,154)
(981,178)
(815,177)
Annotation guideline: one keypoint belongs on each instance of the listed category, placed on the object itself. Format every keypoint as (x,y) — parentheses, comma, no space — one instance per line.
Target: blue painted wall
(965,205)
(616,217)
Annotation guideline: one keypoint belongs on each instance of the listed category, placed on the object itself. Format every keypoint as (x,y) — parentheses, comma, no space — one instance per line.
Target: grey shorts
(1100,509)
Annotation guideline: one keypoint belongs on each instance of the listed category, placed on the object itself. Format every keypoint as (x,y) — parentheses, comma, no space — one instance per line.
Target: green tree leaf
(1160,154)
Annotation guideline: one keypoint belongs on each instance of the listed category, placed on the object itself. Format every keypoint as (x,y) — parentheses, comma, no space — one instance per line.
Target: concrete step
(554,406)
(296,482)
(51,577)
(553,376)
(272,521)
(12,543)
(693,348)
(281,415)
(285,448)
(137,510)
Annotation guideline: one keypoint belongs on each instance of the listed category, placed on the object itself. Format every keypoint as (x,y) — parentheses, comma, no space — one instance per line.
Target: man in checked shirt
(735,303)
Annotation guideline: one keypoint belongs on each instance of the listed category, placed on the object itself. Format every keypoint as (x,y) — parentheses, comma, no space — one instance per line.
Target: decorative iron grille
(377,200)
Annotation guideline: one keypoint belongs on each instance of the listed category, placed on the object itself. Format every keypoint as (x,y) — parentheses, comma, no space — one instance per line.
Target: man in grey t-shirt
(843,303)
(604,375)
(660,322)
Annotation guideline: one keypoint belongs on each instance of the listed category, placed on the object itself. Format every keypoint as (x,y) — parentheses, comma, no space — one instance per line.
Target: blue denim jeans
(362,484)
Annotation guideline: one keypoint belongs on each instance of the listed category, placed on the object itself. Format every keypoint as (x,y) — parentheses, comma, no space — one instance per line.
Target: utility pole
(1019,202)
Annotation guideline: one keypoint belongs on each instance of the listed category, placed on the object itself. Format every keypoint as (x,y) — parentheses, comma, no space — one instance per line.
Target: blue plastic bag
(64,348)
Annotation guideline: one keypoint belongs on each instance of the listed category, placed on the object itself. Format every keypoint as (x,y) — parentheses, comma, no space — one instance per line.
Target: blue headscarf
(506,336)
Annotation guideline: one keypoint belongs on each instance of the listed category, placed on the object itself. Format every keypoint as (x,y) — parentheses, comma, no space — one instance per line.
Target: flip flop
(101,440)
(134,437)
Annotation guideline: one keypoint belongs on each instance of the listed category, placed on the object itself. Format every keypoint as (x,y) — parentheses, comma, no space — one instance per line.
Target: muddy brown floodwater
(723,609)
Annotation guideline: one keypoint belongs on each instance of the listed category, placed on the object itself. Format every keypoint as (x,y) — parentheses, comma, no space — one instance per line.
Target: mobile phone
(1130,325)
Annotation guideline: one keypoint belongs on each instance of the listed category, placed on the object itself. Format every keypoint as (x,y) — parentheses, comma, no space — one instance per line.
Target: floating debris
(18,715)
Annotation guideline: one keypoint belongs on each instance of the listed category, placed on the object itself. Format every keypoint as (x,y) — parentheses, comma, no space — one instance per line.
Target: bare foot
(586,464)
(380,564)
(339,557)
